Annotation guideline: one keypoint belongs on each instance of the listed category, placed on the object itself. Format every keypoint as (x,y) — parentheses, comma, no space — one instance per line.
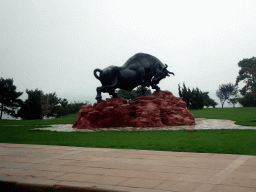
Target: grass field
(205,141)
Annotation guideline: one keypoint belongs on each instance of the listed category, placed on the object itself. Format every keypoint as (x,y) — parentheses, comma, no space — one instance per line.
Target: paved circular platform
(201,124)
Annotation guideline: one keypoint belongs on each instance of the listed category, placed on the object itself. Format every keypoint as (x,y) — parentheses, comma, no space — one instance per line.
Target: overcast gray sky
(54,45)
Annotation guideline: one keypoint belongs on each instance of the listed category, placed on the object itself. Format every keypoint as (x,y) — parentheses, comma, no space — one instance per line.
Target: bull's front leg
(113,93)
(154,86)
(141,72)
(156,79)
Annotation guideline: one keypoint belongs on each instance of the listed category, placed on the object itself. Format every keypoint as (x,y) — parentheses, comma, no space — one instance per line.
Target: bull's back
(144,60)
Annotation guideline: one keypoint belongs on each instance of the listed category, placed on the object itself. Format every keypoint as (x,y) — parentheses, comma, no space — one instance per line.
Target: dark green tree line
(40,105)
(37,106)
(65,108)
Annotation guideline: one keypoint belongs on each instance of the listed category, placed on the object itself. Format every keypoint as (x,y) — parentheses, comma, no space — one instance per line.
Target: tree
(48,102)
(185,94)
(194,99)
(248,74)
(38,105)
(233,101)
(197,99)
(225,91)
(61,108)
(132,94)
(31,108)
(208,101)
(9,97)
(248,100)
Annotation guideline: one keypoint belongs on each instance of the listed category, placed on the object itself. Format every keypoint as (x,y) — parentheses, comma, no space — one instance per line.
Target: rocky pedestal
(155,110)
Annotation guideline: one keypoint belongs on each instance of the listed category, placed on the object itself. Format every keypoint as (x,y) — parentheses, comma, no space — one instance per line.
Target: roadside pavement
(61,168)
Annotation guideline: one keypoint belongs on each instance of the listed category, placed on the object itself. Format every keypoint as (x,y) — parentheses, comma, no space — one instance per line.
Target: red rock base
(155,110)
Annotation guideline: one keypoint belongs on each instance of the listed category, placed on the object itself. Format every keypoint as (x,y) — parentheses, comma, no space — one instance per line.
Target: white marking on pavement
(222,174)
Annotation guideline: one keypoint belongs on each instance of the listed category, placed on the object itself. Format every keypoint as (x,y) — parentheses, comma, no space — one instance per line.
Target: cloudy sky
(54,45)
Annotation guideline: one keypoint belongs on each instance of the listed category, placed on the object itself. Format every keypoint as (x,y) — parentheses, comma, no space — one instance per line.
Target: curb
(16,186)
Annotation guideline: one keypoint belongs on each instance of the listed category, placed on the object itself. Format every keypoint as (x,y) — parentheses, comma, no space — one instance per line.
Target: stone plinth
(155,110)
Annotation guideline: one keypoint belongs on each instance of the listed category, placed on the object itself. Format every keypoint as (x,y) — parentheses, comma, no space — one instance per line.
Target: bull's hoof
(99,99)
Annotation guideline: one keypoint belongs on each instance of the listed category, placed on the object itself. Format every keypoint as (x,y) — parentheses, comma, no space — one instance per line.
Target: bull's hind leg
(98,97)
(106,89)
(143,90)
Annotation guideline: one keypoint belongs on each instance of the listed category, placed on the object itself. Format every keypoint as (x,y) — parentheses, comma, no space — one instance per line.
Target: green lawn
(242,116)
(68,119)
(204,141)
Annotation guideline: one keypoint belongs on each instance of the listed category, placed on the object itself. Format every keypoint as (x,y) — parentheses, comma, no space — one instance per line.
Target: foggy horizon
(56,45)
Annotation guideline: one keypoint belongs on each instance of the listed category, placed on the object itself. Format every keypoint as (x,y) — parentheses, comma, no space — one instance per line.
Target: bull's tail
(95,73)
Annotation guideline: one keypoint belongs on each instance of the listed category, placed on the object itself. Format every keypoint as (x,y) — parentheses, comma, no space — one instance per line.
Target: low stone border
(201,124)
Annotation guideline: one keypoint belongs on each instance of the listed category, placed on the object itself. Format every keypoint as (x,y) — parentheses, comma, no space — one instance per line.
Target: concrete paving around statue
(60,168)
(200,124)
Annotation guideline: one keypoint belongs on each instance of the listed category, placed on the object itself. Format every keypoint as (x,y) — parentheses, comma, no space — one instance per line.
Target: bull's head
(167,72)
(164,73)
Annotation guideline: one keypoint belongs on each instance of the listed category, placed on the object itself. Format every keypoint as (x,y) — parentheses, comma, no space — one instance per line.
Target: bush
(132,94)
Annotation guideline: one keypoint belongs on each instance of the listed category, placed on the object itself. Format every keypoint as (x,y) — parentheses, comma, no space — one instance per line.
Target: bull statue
(138,70)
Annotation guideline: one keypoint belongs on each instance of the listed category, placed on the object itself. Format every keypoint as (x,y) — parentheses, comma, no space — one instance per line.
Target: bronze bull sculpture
(138,70)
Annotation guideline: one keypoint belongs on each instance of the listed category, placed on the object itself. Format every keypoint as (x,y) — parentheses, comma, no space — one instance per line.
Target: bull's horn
(170,72)
(166,65)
